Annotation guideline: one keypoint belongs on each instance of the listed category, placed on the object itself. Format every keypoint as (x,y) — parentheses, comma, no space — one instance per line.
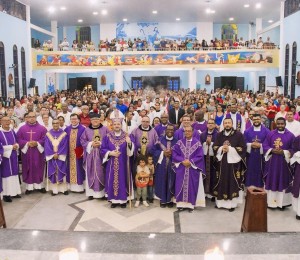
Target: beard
(257,124)
(228,129)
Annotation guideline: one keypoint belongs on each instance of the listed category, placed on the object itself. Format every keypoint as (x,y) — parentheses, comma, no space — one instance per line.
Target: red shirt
(271,115)
(85,120)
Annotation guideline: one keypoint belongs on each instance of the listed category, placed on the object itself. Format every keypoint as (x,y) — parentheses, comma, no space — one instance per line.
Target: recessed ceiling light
(63,8)
(95,13)
(258,5)
(270,21)
(51,9)
(125,20)
(177,19)
(210,11)
(104,12)
(231,19)
(80,20)
(246,5)
(154,12)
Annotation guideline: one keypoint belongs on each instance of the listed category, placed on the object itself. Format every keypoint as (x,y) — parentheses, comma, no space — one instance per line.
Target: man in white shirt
(291,124)
(39,119)
(65,114)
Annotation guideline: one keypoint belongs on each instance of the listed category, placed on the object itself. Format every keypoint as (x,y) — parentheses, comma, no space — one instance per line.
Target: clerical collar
(210,132)
(95,127)
(75,126)
(169,138)
(280,132)
(257,128)
(189,140)
(2,129)
(118,133)
(227,133)
(164,125)
(201,122)
(143,129)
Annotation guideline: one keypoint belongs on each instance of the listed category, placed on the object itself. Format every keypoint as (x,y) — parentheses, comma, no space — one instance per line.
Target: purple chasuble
(33,162)
(187,178)
(179,134)
(118,178)
(278,174)
(143,140)
(56,142)
(75,171)
(161,130)
(9,166)
(200,126)
(1,155)
(164,173)
(92,160)
(255,160)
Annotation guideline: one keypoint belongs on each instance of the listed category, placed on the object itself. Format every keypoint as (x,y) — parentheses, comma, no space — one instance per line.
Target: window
(286,69)
(174,83)
(2,71)
(136,83)
(23,69)
(16,72)
(294,64)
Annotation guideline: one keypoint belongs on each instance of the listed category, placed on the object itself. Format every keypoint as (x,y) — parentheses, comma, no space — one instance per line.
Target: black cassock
(229,179)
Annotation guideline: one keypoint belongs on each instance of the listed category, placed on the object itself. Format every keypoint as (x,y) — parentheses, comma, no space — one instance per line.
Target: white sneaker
(137,203)
(145,203)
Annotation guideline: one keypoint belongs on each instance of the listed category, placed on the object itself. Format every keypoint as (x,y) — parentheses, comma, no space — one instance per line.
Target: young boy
(150,165)
(141,182)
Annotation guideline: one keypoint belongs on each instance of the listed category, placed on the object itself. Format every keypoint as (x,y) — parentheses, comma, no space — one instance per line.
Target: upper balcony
(268,57)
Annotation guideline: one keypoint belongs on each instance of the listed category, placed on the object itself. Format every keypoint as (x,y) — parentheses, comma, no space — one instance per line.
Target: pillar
(55,38)
(253,81)
(282,47)
(192,79)
(28,56)
(258,26)
(118,80)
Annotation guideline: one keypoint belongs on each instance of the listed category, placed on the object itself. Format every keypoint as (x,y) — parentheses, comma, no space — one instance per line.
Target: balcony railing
(208,57)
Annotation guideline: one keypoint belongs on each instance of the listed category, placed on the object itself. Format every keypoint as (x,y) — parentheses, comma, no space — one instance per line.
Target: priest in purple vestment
(31,139)
(188,164)
(161,128)
(278,173)
(164,172)
(295,161)
(116,148)
(1,155)
(230,152)
(237,119)
(9,167)
(254,137)
(92,160)
(56,151)
(75,171)
(185,122)
(207,138)
(200,124)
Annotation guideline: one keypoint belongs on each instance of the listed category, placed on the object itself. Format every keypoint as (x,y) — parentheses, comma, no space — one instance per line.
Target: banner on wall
(43,60)
(51,82)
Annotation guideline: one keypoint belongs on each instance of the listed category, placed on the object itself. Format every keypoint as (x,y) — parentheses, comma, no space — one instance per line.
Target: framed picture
(207,79)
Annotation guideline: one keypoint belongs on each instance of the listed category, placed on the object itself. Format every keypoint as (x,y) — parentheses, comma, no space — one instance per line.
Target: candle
(214,254)
(69,254)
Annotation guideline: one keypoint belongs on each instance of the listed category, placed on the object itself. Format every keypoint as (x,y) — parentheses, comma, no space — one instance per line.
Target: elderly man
(85,119)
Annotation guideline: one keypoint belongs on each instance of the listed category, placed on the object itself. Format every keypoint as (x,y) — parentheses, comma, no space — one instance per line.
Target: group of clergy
(192,162)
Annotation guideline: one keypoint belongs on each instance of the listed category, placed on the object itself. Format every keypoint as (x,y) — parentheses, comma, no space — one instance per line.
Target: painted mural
(112,59)
(229,32)
(151,31)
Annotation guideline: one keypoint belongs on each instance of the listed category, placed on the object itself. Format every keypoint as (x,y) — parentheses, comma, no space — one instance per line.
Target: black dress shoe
(170,205)
(179,209)
(17,197)
(53,194)
(191,210)
(91,198)
(27,192)
(297,217)
(123,205)
(66,193)
(113,205)
(7,199)
(213,199)
(216,207)
(43,190)
(163,205)
(231,210)
(103,198)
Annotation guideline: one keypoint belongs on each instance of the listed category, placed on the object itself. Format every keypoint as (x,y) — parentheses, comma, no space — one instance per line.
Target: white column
(253,81)
(55,38)
(249,32)
(282,47)
(258,26)
(192,79)
(118,80)
(65,81)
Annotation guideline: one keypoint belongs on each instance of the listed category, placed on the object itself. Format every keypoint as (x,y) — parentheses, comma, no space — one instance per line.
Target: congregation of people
(181,148)
(159,44)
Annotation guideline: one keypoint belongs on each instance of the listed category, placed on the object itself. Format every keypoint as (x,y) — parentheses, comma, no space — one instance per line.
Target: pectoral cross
(30,134)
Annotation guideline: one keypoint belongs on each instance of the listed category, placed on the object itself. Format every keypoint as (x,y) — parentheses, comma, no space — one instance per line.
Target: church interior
(34,58)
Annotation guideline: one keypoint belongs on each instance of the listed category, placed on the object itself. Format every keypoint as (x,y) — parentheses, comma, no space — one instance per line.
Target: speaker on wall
(31,83)
(278,81)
